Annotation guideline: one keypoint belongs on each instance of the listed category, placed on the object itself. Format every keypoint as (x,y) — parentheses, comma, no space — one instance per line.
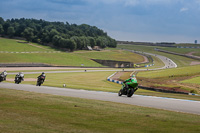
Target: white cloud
(184,9)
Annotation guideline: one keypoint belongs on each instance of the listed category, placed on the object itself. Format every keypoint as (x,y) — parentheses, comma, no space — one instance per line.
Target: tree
(78,41)
(102,42)
(1,29)
(56,40)
(72,36)
(11,31)
(28,34)
(84,42)
(1,21)
(52,33)
(72,44)
(112,43)
(92,41)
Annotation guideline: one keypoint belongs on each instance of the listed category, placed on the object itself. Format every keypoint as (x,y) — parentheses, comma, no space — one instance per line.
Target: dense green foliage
(56,34)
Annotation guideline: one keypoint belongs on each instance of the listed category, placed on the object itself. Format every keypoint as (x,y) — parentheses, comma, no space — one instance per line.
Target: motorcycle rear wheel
(130,92)
(120,92)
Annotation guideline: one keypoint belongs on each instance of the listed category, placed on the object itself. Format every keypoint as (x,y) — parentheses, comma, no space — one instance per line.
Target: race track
(179,105)
(186,106)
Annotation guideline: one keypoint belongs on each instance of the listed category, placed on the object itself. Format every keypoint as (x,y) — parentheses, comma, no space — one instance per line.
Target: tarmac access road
(171,104)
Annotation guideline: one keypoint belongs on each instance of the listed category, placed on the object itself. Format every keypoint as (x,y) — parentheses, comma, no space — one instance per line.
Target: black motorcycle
(18,79)
(2,77)
(124,91)
(40,80)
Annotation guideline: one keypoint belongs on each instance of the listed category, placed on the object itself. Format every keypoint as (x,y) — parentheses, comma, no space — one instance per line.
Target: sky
(127,20)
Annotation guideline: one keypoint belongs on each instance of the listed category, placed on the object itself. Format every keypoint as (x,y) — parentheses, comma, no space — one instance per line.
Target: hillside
(19,51)
(56,34)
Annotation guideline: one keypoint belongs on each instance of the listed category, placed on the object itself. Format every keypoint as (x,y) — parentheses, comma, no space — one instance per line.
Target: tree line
(56,34)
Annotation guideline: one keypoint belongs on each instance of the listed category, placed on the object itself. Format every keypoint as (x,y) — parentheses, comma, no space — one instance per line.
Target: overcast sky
(131,20)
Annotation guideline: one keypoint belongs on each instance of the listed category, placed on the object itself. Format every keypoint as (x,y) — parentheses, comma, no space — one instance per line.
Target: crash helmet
(43,74)
(133,76)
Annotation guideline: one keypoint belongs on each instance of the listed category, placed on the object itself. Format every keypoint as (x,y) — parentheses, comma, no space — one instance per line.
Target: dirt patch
(121,76)
(190,54)
(145,60)
(117,75)
(194,63)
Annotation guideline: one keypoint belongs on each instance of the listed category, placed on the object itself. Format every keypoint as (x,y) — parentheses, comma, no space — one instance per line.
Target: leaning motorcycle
(124,91)
(40,80)
(2,77)
(18,80)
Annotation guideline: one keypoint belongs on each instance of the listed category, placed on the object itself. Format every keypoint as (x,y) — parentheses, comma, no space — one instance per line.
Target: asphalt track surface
(178,105)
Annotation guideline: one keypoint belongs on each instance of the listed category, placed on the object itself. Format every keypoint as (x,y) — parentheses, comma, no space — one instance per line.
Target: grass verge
(32,112)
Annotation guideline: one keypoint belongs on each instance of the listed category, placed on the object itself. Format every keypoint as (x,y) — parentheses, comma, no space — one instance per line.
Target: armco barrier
(150,88)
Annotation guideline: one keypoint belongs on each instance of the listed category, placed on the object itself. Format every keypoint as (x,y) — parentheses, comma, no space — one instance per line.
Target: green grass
(64,59)
(12,45)
(111,54)
(32,112)
(182,78)
(188,45)
(179,60)
(85,80)
(183,50)
(195,80)
(183,71)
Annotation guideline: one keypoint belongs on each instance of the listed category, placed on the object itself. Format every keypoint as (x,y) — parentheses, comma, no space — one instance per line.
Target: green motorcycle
(129,87)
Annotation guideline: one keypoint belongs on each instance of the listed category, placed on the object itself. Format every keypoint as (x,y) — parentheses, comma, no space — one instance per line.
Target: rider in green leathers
(131,82)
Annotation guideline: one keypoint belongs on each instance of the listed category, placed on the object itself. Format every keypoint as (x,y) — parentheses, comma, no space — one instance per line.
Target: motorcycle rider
(4,74)
(42,75)
(131,82)
(19,75)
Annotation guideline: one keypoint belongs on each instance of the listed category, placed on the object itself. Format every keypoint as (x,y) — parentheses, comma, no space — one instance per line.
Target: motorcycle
(40,80)
(124,91)
(2,77)
(18,80)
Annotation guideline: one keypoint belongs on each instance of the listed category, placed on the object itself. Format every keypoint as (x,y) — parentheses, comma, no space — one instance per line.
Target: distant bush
(193,91)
